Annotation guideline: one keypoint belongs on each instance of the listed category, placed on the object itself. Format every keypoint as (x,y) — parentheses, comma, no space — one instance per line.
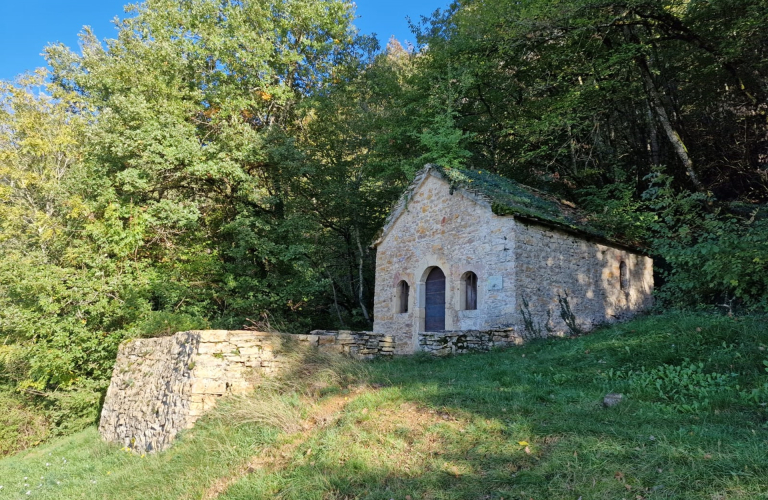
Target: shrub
(20,425)
(715,255)
(163,324)
(75,408)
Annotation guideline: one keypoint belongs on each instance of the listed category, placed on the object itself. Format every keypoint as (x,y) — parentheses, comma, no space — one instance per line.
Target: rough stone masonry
(535,263)
(161,386)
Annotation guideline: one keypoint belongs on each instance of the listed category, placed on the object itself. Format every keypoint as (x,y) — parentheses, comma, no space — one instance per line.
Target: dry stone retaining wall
(148,400)
(359,345)
(163,385)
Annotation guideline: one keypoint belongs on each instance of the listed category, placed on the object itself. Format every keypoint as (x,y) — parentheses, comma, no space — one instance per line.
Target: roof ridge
(505,197)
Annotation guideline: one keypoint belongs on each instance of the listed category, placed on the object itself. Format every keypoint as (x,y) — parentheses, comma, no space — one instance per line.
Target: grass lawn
(517,424)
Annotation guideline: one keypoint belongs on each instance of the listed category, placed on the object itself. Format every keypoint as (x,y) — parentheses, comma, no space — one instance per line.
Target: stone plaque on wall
(495,283)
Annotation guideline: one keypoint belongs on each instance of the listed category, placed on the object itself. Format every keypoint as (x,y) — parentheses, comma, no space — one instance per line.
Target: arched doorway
(434,305)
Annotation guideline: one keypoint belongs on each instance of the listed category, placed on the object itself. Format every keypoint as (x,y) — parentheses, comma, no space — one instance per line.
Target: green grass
(517,424)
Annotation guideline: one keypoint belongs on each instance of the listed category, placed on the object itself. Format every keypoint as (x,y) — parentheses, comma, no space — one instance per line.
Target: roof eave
(586,235)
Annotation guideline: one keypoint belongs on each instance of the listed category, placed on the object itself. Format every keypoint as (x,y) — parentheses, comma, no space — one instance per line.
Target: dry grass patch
(321,414)
(294,403)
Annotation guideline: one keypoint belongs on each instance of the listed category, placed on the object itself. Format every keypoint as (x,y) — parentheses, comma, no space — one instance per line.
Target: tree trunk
(661,114)
(360,269)
(335,299)
(653,140)
(657,106)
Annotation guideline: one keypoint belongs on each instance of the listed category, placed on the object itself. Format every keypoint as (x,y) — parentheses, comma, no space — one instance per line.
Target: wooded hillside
(228,163)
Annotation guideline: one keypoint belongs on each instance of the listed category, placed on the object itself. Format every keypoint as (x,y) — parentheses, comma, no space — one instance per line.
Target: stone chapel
(469,250)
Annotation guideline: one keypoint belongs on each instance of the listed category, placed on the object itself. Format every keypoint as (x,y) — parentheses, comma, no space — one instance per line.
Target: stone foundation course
(161,386)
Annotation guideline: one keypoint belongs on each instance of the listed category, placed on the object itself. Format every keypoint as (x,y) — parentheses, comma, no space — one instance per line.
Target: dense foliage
(227,163)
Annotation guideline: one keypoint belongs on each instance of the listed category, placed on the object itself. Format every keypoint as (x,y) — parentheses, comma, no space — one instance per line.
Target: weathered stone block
(212,348)
(248,352)
(214,335)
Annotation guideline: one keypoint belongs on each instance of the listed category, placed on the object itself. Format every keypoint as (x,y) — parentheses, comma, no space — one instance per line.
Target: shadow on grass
(528,423)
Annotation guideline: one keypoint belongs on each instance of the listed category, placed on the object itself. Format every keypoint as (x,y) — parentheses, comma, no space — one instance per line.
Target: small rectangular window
(623,277)
(401,297)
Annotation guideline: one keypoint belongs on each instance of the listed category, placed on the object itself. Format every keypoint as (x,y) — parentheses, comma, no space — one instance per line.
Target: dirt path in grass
(419,422)
(323,414)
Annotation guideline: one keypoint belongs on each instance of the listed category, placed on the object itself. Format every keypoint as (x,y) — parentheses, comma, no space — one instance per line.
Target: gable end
(402,204)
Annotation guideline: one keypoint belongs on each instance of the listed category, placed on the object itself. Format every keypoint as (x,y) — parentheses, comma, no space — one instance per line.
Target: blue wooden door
(434,317)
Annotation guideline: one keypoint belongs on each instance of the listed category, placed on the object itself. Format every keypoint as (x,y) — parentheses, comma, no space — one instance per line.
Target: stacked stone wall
(358,345)
(163,385)
(460,342)
(148,400)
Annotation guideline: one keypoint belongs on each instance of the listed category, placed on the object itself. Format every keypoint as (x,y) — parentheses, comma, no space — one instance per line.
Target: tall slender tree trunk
(666,124)
(653,139)
(657,106)
(360,271)
(335,298)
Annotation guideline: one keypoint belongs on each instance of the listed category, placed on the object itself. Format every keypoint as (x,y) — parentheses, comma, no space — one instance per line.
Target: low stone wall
(359,345)
(148,399)
(163,385)
(446,343)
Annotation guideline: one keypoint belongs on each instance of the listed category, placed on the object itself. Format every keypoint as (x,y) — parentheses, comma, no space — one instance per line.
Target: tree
(587,93)
(360,153)
(64,307)
(39,148)
(197,110)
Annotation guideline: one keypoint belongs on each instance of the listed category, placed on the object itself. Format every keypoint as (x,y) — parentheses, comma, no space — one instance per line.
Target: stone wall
(358,345)
(553,267)
(447,343)
(148,400)
(163,385)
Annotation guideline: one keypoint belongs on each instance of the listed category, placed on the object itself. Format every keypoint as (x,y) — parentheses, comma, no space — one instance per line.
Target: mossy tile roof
(508,197)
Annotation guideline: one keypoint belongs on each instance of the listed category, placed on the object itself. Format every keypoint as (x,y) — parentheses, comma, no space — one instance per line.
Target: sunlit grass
(517,424)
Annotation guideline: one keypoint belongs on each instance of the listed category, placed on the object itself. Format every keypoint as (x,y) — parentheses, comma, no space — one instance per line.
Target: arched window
(623,277)
(469,291)
(401,297)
